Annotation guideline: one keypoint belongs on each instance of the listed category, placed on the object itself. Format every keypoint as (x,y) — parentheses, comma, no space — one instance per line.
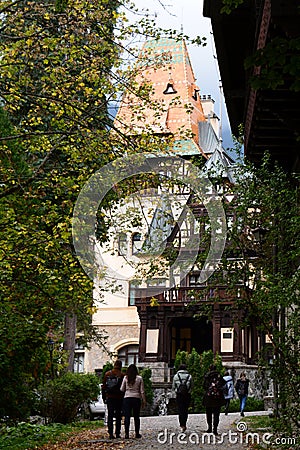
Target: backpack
(113,384)
(182,388)
(214,390)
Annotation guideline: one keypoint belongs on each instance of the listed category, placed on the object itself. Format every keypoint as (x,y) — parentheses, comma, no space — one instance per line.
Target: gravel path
(164,432)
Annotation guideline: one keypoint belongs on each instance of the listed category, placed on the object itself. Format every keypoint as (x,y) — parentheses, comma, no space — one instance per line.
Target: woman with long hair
(134,398)
(242,388)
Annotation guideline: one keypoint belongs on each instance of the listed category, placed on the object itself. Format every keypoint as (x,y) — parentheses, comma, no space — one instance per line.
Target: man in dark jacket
(182,379)
(113,397)
(213,398)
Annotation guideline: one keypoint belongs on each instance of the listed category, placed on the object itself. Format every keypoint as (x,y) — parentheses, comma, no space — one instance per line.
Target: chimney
(208,109)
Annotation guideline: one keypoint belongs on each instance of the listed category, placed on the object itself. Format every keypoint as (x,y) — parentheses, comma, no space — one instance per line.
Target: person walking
(242,389)
(134,398)
(113,398)
(182,385)
(213,398)
(228,390)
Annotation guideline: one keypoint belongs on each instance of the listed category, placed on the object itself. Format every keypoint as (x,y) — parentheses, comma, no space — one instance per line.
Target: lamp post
(50,345)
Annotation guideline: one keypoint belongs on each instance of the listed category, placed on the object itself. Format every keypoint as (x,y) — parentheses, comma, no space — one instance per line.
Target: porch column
(143,334)
(162,354)
(216,329)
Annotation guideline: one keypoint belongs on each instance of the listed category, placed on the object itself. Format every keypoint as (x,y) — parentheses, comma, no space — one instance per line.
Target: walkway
(163,432)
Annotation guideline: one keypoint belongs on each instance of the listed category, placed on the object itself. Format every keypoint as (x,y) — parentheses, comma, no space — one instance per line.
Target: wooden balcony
(182,295)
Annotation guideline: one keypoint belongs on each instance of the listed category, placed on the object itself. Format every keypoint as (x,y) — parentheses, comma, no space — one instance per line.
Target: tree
(266,271)
(54,83)
(62,71)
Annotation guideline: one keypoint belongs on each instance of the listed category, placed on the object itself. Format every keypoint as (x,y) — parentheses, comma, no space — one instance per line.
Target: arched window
(129,354)
(122,244)
(136,243)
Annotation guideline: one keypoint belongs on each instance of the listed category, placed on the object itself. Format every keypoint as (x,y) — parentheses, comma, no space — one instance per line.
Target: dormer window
(170,88)
(195,94)
(136,243)
(122,244)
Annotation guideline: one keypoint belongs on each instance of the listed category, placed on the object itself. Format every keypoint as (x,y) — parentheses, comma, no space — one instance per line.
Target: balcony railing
(181,295)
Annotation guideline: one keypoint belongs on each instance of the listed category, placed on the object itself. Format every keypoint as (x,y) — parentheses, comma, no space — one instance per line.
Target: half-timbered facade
(149,318)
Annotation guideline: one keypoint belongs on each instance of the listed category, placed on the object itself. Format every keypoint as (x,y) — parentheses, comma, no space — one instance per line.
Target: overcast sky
(188,14)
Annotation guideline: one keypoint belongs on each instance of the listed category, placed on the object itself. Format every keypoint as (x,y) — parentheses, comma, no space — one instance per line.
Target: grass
(263,425)
(25,436)
(257,423)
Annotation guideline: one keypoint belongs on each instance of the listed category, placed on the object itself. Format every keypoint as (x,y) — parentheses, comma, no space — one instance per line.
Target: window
(136,243)
(79,362)
(181,339)
(79,357)
(133,285)
(156,282)
(194,279)
(129,354)
(122,244)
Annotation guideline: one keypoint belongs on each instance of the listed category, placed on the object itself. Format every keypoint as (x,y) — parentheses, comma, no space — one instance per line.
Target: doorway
(188,333)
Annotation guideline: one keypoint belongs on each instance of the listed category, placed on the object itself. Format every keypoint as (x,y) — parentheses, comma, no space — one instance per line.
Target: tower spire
(175,106)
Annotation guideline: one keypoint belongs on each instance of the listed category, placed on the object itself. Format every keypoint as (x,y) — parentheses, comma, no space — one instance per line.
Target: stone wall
(260,383)
(96,357)
(260,387)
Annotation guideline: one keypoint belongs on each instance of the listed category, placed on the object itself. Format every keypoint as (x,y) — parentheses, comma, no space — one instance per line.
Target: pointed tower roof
(160,227)
(221,164)
(175,106)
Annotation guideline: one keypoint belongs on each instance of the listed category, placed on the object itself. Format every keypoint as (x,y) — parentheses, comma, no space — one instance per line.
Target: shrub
(198,366)
(59,399)
(16,399)
(253,404)
(146,375)
(108,366)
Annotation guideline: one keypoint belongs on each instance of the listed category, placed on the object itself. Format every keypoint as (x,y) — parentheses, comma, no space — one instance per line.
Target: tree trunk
(70,337)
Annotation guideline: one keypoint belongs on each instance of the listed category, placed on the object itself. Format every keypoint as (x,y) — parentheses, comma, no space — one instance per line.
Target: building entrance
(188,333)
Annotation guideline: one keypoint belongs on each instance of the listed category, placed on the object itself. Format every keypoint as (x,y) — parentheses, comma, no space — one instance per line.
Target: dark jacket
(242,387)
(119,394)
(217,400)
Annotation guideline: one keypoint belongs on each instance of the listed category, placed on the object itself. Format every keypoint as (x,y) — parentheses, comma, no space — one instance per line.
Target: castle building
(148,318)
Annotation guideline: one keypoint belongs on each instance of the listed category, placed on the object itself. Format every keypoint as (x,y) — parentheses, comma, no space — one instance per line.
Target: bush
(26,436)
(108,366)
(16,399)
(146,375)
(198,366)
(253,404)
(59,399)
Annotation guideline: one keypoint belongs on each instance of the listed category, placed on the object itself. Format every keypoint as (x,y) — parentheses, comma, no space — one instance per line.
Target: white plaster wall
(119,321)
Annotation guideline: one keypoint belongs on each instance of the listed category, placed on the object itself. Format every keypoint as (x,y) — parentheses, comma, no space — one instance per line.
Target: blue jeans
(243,400)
